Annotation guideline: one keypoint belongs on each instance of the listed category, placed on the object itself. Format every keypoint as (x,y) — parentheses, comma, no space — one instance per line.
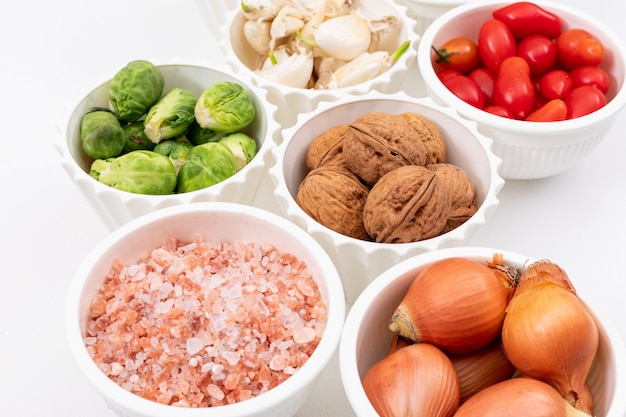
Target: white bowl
(529,149)
(366,337)
(116,207)
(360,261)
(293,101)
(219,222)
(424,12)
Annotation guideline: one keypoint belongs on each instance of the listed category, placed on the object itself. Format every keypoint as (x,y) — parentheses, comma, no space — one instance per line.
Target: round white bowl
(366,337)
(220,222)
(293,101)
(116,207)
(424,12)
(360,261)
(529,150)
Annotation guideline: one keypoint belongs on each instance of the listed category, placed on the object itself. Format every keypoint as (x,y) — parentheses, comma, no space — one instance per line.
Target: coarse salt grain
(199,324)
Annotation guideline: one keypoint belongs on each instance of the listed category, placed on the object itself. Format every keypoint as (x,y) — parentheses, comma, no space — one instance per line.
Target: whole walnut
(378,142)
(408,204)
(462,191)
(430,134)
(334,197)
(327,148)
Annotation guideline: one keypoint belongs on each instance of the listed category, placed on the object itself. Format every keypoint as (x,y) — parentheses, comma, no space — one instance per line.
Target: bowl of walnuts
(380,178)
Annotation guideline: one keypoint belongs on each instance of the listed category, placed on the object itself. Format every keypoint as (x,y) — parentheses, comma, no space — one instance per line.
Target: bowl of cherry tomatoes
(543,80)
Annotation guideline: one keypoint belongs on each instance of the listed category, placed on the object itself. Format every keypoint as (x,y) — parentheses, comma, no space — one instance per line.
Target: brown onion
(482,368)
(518,397)
(456,304)
(416,380)
(550,335)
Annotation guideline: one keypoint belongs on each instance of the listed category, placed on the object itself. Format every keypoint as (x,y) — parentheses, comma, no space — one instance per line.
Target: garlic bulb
(417,380)
(549,334)
(482,368)
(293,70)
(343,37)
(518,397)
(456,304)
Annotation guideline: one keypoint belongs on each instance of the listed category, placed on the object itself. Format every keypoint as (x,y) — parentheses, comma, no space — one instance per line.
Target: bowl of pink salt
(205,309)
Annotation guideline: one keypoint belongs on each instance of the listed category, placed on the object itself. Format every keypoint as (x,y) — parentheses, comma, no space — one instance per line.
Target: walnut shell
(378,142)
(327,148)
(462,191)
(430,134)
(334,197)
(407,204)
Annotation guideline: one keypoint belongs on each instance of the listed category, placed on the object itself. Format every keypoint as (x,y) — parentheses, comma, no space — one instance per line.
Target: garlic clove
(417,380)
(456,304)
(482,368)
(361,69)
(550,335)
(261,9)
(287,22)
(518,397)
(290,70)
(257,34)
(343,37)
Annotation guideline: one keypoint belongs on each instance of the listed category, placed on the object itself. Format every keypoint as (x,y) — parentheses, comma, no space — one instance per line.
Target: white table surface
(53,52)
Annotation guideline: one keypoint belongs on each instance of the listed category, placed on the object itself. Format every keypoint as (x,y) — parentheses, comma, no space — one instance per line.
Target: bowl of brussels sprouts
(305,53)
(155,136)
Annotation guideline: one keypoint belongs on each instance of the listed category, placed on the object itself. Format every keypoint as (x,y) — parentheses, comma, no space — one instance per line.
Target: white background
(52,53)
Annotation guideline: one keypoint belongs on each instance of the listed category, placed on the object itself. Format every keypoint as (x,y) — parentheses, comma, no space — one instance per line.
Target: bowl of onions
(510,334)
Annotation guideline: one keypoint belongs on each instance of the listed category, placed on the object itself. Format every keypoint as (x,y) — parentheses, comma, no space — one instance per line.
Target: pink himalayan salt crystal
(199,325)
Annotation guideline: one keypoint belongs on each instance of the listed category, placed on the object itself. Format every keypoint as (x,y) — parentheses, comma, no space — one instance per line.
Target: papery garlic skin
(417,380)
(343,37)
(518,397)
(290,70)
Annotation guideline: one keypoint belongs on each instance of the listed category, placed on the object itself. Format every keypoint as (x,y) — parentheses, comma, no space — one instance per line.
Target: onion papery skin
(518,397)
(482,368)
(456,304)
(416,380)
(549,334)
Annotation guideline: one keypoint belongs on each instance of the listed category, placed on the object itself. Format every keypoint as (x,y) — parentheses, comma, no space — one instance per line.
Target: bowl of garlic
(511,333)
(304,53)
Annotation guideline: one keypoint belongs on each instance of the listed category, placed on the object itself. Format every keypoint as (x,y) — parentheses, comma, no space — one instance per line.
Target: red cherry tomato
(555,84)
(539,51)
(446,74)
(485,79)
(513,88)
(460,54)
(584,100)
(577,47)
(552,111)
(466,89)
(526,18)
(588,75)
(495,44)
(499,111)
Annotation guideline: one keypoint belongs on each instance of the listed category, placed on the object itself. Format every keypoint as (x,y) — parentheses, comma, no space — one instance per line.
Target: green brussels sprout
(171,116)
(101,135)
(199,135)
(140,172)
(206,165)
(176,150)
(225,107)
(242,146)
(136,138)
(134,89)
